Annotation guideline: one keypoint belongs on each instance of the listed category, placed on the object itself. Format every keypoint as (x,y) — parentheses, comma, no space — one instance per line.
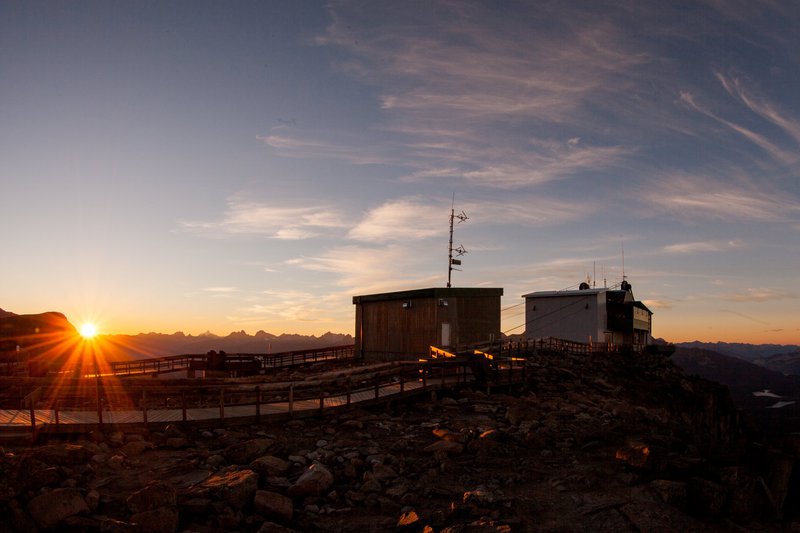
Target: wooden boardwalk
(17,423)
(97,403)
(14,418)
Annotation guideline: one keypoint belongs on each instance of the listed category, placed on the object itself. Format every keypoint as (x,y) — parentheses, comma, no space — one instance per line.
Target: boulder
(272,527)
(635,454)
(64,454)
(177,443)
(135,448)
(243,453)
(446,446)
(316,480)
(671,492)
(408,520)
(273,505)
(52,507)
(270,466)
(383,472)
(235,488)
(446,434)
(160,520)
(151,497)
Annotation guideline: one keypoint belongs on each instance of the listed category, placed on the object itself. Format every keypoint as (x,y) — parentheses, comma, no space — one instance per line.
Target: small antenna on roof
(622,247)
(451,262)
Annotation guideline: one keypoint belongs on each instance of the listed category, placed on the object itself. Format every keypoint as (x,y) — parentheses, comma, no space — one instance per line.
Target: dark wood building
(403,325)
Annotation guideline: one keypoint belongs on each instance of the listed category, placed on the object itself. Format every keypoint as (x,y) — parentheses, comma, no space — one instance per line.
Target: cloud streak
(355,153)
(363,270)
(465,98)
(760,294)
(701,197)
(701,247)
(245,217)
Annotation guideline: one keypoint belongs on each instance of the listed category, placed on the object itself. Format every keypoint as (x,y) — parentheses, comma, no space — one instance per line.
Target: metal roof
(576,292)
(433,292)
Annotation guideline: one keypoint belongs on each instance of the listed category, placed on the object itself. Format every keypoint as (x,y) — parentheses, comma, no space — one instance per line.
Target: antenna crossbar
(452,262)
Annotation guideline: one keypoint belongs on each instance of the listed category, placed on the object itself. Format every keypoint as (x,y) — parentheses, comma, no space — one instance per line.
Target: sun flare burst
(88,330)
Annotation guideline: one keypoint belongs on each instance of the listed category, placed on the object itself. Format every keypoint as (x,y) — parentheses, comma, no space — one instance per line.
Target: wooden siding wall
(385,330)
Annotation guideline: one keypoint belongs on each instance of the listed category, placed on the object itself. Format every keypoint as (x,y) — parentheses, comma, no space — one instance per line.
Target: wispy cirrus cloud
(656,303)
(501,167)
(414,218)
(763,108)
(701,246)
(220,290)
(291,304)
(246,217)
(785,156)
(354,152)
(759,294)
(700,196)
(463,97)
(402,219)
(364,270)
(745,316)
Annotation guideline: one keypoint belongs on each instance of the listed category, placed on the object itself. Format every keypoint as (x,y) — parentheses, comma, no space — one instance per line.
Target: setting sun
(88,331)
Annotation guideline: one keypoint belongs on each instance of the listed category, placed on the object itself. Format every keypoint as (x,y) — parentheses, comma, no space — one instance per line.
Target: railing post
(258,403)
(144,406)
(55,408)
(33,416)
(321,398)
(424,378)
(291,398)
(183,406)
(402,382)
(377,390)
(222,404)
(349,386)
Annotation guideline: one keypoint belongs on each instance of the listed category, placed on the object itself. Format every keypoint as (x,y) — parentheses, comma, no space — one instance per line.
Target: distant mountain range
(742,377)
(748,352)
(158,344)
(783,358)
(32,330)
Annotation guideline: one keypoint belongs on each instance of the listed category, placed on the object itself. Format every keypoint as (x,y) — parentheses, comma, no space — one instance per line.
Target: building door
(445,334)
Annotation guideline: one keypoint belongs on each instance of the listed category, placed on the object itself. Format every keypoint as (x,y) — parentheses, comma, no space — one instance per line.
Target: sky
(224,166)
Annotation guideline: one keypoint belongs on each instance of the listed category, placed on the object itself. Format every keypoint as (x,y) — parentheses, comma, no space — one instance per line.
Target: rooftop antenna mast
(622,248)
(451,261)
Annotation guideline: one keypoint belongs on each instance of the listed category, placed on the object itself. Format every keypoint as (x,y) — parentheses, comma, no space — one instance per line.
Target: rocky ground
(609,443)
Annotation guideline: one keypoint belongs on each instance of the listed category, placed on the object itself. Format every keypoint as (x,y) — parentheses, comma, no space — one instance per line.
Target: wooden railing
(525,347)
(302,357)
(235,363)
(86,403)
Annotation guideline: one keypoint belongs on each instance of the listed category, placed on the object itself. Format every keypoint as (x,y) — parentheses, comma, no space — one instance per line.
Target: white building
(591,316)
